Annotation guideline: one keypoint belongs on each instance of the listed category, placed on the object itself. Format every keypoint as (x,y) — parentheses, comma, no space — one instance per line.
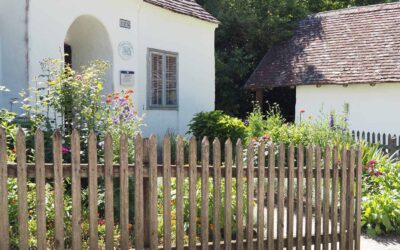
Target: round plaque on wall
(125,50)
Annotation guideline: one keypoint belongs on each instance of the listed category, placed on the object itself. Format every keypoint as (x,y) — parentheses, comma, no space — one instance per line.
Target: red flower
(129,91)
(302,111)
(101,222)
(266,137)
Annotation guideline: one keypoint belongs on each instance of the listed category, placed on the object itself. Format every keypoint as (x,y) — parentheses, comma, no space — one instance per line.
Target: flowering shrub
(381,192)
(65,100)
(122,118)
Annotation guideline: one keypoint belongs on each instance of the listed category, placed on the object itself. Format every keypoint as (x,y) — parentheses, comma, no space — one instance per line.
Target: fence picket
(192,192)
(109,193)
(205,150)
(250,195)
(343,199)
(281,195)
(4,218)
(40,190)
(271,198)
(260,196)
(350,209)
(326,198)
(228,195)
(358,199)
(167,192)
(139,200)
(300,196)
(76,190)
(22,190)
(309,201)
(179,194)
(124,190)
(335,198)
(93,214)
(153,192)
(290,198)
(239,198)
(317,192)
(217,193)
(58,191)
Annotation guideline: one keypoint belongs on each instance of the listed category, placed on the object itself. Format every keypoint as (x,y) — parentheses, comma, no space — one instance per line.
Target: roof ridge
(358,9)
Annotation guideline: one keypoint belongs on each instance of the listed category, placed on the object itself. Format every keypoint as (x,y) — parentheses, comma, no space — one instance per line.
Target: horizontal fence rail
(264,196)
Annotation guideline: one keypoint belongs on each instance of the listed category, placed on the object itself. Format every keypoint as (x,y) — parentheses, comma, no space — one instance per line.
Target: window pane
(171,80)
(156,79)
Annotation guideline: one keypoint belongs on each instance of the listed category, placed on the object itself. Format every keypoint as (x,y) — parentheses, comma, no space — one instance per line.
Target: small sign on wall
(127,78)
(123,23)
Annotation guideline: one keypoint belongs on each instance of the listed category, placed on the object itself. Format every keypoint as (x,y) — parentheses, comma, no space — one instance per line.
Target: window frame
(164,55)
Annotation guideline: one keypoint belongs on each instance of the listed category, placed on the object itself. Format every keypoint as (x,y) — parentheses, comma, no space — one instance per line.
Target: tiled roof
(185,7)
(348,46)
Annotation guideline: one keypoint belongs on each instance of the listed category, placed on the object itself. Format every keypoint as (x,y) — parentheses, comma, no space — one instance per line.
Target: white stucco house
(164,50)
(348,58)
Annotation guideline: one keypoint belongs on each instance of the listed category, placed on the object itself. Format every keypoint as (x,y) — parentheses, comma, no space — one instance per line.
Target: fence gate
(263,196)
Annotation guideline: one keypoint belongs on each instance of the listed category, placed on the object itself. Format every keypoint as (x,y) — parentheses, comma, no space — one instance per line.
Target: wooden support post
(260,97)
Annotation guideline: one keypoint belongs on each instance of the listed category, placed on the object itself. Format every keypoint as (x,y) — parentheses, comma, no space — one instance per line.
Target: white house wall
(193,40)
(371,108)
(152,27)
(13,49)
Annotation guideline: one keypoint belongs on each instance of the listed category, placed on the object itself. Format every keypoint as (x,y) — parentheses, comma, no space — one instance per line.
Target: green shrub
(256,125)
(217,124)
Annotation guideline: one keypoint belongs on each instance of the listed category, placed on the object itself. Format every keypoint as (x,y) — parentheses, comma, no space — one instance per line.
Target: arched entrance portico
(87,39)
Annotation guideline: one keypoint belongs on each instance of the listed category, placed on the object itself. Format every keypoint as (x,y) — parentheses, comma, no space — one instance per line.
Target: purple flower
(331,121)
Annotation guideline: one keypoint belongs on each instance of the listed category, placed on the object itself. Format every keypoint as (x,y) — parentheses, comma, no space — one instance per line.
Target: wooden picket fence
(390,143)
(303,197)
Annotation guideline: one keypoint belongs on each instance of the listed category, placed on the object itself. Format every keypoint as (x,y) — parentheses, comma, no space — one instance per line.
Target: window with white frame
(163,80)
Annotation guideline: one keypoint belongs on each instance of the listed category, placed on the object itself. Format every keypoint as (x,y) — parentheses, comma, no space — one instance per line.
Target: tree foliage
(248,29)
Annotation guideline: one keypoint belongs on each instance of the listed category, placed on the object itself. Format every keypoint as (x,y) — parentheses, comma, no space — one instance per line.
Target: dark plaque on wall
(123,23)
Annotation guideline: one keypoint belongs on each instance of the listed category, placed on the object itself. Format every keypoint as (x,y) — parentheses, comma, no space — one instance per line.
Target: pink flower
(302,111)
(101,222)
(65,150)
(372,162)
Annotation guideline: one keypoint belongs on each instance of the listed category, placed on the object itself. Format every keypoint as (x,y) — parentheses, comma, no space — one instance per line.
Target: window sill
(163,108)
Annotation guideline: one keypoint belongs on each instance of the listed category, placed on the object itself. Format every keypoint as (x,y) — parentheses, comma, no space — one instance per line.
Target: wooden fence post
(4,219)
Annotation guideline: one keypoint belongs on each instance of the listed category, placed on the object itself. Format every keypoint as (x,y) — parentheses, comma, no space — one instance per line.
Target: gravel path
(381,243)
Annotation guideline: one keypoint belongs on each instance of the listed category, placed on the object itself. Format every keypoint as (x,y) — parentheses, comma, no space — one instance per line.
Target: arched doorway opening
(87,39)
